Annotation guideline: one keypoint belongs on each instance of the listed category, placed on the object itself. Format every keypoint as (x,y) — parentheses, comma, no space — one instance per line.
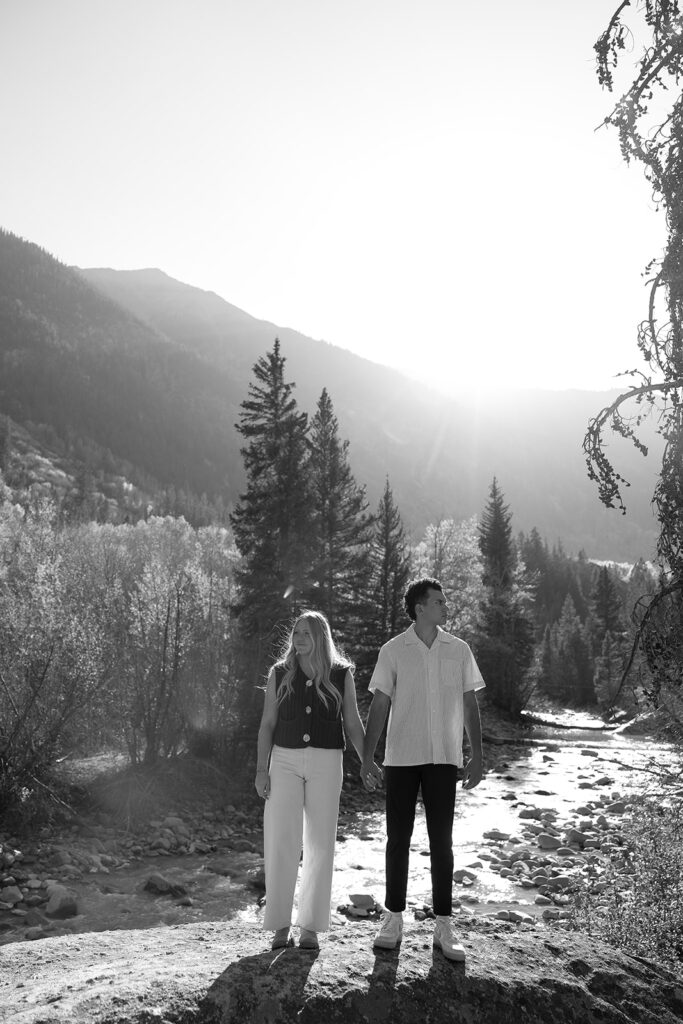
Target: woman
(309,694)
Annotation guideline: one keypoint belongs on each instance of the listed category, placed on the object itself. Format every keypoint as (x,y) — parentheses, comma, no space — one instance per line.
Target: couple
(426,679)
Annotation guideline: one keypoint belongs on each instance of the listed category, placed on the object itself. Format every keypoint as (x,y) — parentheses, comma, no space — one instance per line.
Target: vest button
(309,682)
(308,711)
(306,737)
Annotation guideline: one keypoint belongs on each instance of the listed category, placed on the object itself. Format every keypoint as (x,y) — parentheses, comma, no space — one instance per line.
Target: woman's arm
(356,733)
(265,737)
(353,726)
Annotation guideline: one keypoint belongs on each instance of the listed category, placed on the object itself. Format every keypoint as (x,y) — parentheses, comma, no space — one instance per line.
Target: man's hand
(473,772)
(371,775)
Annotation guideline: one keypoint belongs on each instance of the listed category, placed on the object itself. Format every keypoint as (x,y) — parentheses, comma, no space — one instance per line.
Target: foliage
(638,904)
(109,633)
(389,574)
(607,607)
(450,552)
(649,120)
(567,659)
(273,521)
(340,560)
(504,643)
(55,656)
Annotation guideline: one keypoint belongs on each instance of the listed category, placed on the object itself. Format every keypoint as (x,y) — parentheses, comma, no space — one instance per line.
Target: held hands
(262,784)
(473,772)
(371,775)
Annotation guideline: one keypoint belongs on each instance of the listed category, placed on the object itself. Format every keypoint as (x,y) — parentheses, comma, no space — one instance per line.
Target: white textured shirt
(426,687)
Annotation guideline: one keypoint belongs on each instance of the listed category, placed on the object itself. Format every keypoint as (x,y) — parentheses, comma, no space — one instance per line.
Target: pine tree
(606,605)
(608,669)
(272,523)
(574,683)
(547,664)
(342,527)
(390,573)
(504,642)
(495,541)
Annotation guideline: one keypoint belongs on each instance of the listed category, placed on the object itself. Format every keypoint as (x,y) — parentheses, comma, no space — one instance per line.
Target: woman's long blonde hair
(324,657)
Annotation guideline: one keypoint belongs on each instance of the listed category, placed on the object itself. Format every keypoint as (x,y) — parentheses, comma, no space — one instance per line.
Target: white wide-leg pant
(305,784)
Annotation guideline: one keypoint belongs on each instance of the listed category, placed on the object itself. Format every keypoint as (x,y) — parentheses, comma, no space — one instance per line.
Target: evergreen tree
(272,522)
(495,541)
(505,632)
(574,682)
(547,663)
(606,604)
(608,669)
(390,560)
(342,527)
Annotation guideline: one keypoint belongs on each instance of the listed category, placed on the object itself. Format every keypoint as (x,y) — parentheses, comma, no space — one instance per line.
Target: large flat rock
(223,973)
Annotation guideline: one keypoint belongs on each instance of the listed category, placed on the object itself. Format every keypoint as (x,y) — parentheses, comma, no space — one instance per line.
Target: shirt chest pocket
(449,673)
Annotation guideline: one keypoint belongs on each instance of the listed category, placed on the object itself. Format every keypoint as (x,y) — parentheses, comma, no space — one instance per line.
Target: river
(558,768)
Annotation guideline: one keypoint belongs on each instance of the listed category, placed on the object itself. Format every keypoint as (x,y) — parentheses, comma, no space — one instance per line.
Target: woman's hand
(262,784)
(371,775)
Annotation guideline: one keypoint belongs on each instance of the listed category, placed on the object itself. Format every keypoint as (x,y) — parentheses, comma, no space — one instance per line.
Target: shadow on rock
(267,988)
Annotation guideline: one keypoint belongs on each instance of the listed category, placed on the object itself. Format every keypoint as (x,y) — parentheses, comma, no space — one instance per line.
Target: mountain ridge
(153,371)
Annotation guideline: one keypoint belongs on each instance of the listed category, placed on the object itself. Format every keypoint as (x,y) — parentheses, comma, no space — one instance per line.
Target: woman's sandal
(282,939)
(308,940)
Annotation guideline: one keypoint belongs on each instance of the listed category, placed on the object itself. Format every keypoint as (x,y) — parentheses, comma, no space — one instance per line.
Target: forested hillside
(138,375)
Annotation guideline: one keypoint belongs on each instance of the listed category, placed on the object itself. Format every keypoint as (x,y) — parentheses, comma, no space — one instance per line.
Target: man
(428,678)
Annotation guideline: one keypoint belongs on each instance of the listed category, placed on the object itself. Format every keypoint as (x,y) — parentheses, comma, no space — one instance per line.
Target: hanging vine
(649,120)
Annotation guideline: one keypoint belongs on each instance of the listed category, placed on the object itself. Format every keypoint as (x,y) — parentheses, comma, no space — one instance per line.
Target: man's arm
(379,709)
(473,768)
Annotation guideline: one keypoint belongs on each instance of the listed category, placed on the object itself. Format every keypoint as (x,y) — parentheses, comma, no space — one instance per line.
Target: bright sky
(419,181)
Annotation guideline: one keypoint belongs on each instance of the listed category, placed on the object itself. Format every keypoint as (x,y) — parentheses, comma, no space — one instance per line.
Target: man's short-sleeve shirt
(426,687)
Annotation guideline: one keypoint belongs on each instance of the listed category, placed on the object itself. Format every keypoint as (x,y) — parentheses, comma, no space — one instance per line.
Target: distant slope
(87,367)
(440,454)
(151,372)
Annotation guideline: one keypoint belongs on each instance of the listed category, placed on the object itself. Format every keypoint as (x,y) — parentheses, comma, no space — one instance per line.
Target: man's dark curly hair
(416,592)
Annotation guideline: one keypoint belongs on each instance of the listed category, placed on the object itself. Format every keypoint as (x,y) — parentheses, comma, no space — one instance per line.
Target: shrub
(641,909)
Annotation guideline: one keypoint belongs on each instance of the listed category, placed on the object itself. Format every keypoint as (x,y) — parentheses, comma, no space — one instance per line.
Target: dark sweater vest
(303,718)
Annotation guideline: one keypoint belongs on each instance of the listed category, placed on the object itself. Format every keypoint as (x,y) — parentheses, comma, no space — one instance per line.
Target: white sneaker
(391,930)
(445,940)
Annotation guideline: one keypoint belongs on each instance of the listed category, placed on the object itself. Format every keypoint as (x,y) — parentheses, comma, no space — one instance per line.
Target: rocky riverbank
(187,961)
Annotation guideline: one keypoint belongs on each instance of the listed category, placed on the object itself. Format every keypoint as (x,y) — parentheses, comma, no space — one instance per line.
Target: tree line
(154,636)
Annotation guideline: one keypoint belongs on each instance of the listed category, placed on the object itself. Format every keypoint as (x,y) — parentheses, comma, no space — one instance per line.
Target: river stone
(548,842)
(497,835)
(519,917)
(364,900)
(160,886)
(572,835)
(616,808)
(11,894)
(462,874)
(62,903)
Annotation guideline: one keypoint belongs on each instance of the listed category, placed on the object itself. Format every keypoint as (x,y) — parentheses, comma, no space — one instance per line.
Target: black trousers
(437,782)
